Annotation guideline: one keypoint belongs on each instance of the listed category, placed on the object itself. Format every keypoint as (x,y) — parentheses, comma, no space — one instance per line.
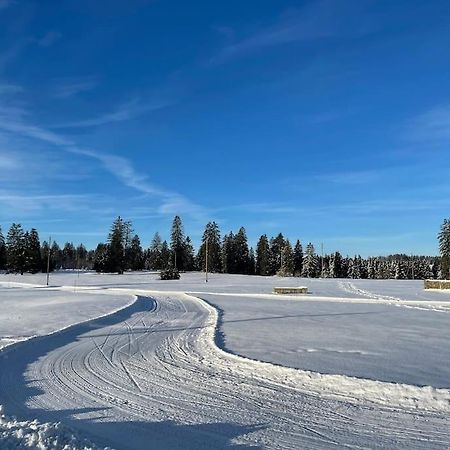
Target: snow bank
(15,434)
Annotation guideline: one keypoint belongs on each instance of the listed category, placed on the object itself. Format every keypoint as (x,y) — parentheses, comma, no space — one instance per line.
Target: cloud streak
(318,20)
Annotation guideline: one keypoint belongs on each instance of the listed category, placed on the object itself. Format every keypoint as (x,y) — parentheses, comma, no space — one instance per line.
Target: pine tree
(101,258)
(298,259)
(166,256)
(263,256)
(154,261)
(444,248)
(2,251)
(251,262)
(56,256)
(81,257)
(212,234)
(241,252)
(16,249)
(287,260)
(228,254)
(177,243)
(116,246)
(310,262)
(33,262)
(69,256)
(189,260)
(276,247)
(135,254)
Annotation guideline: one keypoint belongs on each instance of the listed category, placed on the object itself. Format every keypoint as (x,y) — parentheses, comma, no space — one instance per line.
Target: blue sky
(328,120)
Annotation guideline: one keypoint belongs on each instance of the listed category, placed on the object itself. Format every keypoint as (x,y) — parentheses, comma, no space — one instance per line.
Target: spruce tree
(135,254)
(251,262)
(287,260)
(154,261)
(33,251)
(166,256)
(101,258)
(116,246)
(241,252)
(444,248)
(81,257)
(189,260)
(276,247)
(212,234)
(298,259)
(177,243)
(263,256)
(15,249)
(310,262)
(228,254)
(2,251)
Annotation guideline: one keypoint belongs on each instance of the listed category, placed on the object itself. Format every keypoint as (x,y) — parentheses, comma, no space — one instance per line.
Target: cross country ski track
(151,376)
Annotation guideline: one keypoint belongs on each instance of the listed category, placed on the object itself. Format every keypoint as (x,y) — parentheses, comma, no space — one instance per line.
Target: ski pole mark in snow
(174,388)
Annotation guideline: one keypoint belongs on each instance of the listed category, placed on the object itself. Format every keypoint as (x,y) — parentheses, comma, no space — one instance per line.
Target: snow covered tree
(212,234)
(263,256)
(154,253)
(335,265)
(298,259)
(287,260)
(444,248)
(16,249)
(310,262)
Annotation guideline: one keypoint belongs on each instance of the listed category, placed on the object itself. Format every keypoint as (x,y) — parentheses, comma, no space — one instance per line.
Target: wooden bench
(290,290)
(436,284)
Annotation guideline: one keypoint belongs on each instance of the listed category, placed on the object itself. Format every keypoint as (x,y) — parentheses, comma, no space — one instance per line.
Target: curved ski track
(150,376)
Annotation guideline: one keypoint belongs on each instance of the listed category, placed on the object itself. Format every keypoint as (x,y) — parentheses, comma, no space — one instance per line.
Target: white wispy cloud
(49,38)
(7,89)
(14,120)
(432,125)
(5,3)
(317,20)
(124,112)
(68,87)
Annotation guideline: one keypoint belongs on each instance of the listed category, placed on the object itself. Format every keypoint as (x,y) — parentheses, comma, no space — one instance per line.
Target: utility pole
(48,258)
(206,259)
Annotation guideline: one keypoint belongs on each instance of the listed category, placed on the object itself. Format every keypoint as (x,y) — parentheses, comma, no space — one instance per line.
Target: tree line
(22,252)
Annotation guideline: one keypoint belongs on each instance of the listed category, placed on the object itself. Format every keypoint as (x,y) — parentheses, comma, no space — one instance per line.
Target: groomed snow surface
(132,362)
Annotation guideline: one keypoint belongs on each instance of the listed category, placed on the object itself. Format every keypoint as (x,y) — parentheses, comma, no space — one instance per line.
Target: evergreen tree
(56,256)
(33,262)
(276,247)
(228,254)
(189,260)
(44,258)
(101,258)
(2,251)
(444,248)
(16,249)
(116,246)
(154,261)
(81,257)
(263,256)
(335,265)
(298,259)
(251,262)
(241,252)
(69,256)
(212,234)
(287,261)
(177,243)
(135,254)
(310,262)
(166,256)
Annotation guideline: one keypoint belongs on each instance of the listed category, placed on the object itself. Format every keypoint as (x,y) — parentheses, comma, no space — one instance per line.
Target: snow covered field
(151,376)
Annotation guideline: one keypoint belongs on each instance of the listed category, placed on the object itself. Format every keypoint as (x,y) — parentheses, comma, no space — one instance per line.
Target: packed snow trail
(150,376)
